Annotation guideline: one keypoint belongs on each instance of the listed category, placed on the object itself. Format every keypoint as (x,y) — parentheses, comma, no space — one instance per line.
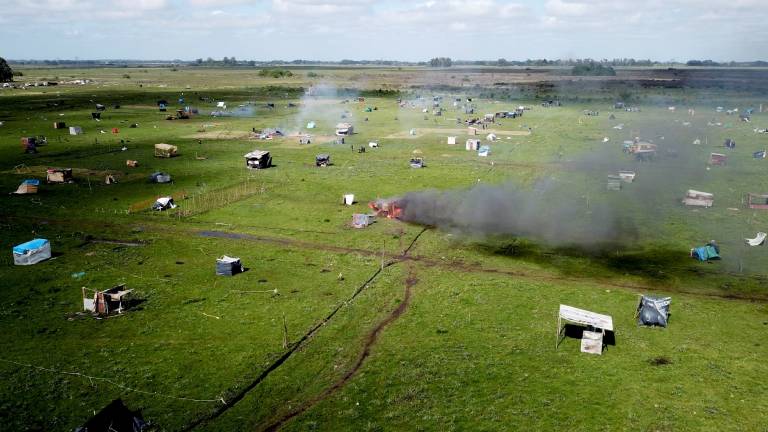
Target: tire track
(298,344)
(370,341)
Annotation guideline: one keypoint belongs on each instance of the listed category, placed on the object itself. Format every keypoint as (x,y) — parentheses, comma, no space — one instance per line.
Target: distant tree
(225,60)
(592,69)
(441,62)
(6,73)
(251,63)
(199,61)
(209,60)
(502,62)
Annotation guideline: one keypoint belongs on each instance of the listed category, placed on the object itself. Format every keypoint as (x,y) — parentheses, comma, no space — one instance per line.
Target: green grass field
(392,327)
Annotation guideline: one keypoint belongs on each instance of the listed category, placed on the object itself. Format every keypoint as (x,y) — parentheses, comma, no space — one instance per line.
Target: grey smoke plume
(545,214)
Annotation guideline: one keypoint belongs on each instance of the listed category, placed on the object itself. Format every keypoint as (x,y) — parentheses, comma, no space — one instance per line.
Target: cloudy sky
(382,29)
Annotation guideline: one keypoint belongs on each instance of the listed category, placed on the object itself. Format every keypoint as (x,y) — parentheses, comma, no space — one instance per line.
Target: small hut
(166,150)
(32,252)
(59,175)
(258,159)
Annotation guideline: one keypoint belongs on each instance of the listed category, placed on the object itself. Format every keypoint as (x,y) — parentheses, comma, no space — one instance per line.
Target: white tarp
(585,317)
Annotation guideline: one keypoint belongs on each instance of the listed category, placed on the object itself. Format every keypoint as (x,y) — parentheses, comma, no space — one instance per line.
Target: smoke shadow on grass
(653,263)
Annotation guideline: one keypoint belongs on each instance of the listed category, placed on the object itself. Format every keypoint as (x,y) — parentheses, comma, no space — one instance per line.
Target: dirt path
(370,340)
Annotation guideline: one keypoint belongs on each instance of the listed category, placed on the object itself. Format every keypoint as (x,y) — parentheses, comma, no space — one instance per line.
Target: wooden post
(285,333)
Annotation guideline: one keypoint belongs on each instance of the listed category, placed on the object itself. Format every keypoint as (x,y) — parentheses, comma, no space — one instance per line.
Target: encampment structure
(32,252)
(698,199)
(28,186)
(597,324)
(258,159)
(165,150)
(112,300)
(653,311)
(59,175)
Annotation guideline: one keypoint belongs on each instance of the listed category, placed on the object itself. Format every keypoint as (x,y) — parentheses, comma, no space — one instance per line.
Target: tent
(729,143)
(165,150)
(484,151)
(131,163)
(373,144)
(757,201)
(59,125)
(258,159)
(592,341)
(160,177)
(718,159)
(653,311)
(228,266)
(55,175)
(709,251)
(323,160)
(115,417)
(75,130)
(164,203)
(451,140)
(28,186)
(759,154)
(349,199)
(311,125)
(491,137)
(417,162)
(112,300)
(473,144)
(31,252)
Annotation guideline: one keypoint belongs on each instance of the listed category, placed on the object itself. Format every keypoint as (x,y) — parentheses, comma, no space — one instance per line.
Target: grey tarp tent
(653,311)
(228,266)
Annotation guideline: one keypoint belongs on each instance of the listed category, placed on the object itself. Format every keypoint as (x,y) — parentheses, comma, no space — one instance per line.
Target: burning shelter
(258,159)
(653,311)
(228,266)
(59,175)
(596,327)
(344,129)
(109,301)
(698,199)
(28,186)
(166,150)
(32,252)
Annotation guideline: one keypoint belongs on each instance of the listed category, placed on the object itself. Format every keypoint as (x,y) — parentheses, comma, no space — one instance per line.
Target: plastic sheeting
(228,266)
(653,311)
(31,252)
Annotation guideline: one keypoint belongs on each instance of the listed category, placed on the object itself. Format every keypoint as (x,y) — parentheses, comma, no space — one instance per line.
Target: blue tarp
(33,182)
(30,245)
(705,253)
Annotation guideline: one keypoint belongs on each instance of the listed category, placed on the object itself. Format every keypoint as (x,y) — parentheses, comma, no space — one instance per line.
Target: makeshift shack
(32,252)
(344,129)
(757,201)
(159,177)
(305,139)
(360,220)
(59,175)
(653,311)
(258,159)
(596,327)
(614,182)
(28,186)
(627,176)
(717,159)
(323,160)
(115,417)
(698,199)
(228,266)
(473,144)
(166,150)
(75,130)
(451,140)
(112,300)
(710,251)
(164,203)
(417,162)
(59,125)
